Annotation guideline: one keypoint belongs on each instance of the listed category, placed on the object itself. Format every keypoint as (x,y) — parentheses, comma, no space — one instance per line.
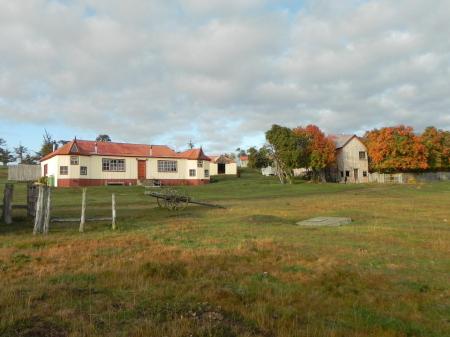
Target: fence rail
(24,172)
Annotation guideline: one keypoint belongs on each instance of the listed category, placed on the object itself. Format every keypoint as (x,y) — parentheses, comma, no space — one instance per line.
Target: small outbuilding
(222,165)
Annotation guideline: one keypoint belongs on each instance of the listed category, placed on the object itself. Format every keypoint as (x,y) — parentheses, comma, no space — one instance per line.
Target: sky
(221,72)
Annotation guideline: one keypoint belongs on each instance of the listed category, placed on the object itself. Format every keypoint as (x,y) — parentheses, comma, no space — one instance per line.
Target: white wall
(347,159)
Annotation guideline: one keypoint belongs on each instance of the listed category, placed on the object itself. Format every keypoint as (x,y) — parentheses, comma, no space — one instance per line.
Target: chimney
(151,150)
(54,146)
(95,148)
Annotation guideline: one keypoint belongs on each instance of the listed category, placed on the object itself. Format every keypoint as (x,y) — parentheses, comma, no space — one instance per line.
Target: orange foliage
(321,148)
(395,149)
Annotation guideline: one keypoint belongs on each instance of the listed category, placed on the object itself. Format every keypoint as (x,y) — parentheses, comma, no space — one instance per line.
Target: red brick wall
(100,182)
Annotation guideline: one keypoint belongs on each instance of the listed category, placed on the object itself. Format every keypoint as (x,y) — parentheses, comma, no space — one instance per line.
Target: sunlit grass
(246,270)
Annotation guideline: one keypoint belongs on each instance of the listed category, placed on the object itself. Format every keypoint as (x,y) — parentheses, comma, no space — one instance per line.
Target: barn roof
(341,140)
(89,148)
(222,159)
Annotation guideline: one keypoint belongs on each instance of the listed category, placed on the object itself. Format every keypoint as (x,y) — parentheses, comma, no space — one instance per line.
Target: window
(206,173)
(83,170)
(342,174)
(167,166)
(192,173)
(74,160)
(199,163)
(113,165)
(362,155)
(364,173)
(347,173)
(64,170)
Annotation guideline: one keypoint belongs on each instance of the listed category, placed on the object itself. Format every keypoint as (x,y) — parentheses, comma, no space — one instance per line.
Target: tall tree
(5,155)
(393,149)
(320,151)
(438,148)
(286,150)
(103,138)
(21,152)
(48,145)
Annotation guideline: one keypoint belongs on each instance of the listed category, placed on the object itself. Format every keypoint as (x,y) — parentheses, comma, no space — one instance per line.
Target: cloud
(222,72)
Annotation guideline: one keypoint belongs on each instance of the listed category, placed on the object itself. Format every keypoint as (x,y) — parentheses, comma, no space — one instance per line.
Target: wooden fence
(408,178)
(24,172)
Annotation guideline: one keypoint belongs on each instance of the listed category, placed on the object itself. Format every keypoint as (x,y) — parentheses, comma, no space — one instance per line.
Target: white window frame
(199,163)
(113,165)
(64,168)
(167,166)
(192,172)
(365,155)
(85,169)
(74,160)
(206,173)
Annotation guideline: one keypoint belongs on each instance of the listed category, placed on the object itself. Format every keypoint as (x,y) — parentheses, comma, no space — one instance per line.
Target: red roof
(195,154)
(89,148)
(243,157)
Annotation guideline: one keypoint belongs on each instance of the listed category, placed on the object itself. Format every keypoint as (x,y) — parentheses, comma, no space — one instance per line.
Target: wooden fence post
(83,210)
(47,209)
(39,210)
(7,203)
(113,211)
(31,199)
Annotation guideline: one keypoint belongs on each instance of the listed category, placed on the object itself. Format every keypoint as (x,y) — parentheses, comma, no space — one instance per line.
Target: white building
(222,165)
(352,163)
(90,163)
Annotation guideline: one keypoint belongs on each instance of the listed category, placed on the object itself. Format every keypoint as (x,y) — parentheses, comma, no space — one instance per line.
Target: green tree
(286,150)
(48,144)
(259,158)
(5,155)
(437,145)
(103,138)
(21,152)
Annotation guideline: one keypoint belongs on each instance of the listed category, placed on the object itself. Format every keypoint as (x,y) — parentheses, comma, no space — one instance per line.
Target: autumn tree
(393,149)
(320,152)
(437,143)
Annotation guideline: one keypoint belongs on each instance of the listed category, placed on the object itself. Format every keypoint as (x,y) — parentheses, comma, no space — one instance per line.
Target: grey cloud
(223,73)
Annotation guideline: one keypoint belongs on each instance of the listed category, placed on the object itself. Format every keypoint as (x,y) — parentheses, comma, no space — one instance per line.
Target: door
(355,174)
(220,168)
(45,170)
(142,169)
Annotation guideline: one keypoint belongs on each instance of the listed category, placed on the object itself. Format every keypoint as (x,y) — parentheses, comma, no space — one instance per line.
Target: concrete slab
(325,221)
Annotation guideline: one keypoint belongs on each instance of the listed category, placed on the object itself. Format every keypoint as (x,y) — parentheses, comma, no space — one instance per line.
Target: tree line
(390,149)
(23,155)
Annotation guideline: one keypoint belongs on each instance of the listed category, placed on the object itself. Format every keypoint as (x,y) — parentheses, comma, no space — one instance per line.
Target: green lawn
(246,270)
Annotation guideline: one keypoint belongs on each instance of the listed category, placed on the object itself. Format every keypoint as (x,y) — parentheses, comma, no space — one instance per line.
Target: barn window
(342,174)
(347,173)
(167,166)
(199,163)
(74,160)
(64,170)
(192,173)
(364,173)
(83,170)
(206,173)
(362,155)
(113,165)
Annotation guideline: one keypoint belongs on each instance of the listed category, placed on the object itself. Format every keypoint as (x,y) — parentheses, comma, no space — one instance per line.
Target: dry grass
(243,271)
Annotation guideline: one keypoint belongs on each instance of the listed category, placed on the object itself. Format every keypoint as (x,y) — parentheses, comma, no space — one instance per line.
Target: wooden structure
(176,200)
(83,219)
(24,172)
(43,210)
(8,205)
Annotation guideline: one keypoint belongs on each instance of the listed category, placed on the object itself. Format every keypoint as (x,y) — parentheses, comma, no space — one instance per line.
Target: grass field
(247,270)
